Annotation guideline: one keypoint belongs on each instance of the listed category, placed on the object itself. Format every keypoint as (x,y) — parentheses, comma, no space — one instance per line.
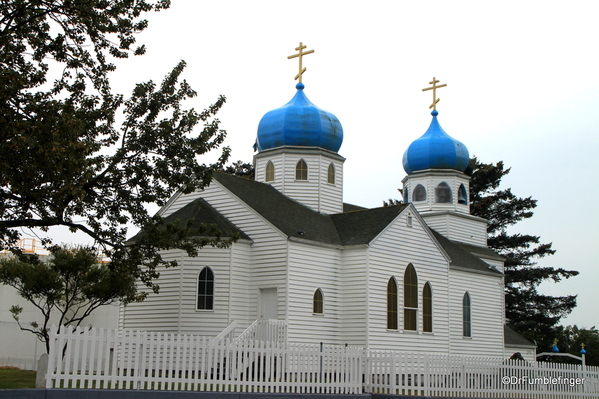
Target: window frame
(462,195)
(419,189)
(410,304)
(318,302)
(392,304)
(269,172)
(438,191)
(301,174)
(467,315)
(209,289)
(331,174)
(427,308)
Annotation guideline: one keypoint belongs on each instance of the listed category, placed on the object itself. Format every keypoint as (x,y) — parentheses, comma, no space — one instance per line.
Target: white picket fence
(111,359)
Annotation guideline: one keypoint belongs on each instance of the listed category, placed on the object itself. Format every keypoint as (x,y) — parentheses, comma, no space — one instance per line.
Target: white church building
(411,277)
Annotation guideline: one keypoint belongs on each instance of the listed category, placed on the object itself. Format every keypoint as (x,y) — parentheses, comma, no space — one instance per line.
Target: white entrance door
(269,303)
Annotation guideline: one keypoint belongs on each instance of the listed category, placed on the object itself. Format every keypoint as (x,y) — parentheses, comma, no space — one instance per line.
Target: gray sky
(522,87)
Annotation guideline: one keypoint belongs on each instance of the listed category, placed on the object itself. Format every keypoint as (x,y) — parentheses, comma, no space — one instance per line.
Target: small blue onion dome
(299,123)
(435,149)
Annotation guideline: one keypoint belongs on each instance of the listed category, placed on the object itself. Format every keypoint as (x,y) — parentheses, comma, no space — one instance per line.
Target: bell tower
(436,183)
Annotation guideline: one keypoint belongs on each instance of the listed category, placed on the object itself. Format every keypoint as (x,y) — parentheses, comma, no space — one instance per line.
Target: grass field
(14,378)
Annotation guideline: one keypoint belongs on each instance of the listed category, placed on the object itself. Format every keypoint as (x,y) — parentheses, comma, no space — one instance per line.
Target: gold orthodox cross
(300,54)
(434,89)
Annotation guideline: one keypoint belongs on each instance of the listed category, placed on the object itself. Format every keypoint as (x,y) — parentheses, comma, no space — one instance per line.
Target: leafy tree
(570,340)
(67,288)
(240,168)
(533,314)
(74,153)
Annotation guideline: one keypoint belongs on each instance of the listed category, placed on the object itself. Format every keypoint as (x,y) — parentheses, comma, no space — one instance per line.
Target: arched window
(301,170)
(419,193)
(427,308)
(270,172)
(205,290)
(443,193)
(462,195)
(467,315)
(331,174)
(392,304)
(318,303)
(410,299)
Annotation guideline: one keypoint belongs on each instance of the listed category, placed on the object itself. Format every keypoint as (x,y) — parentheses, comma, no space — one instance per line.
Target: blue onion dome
(299,123)
(435,149)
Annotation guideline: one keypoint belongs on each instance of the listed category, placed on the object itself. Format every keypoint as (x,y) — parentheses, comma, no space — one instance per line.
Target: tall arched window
(462,195)
(410,299)
(331,174)
(205,290)
(419,193)
(443,193)
(301,170)
(270,172)
(318,303)
(392,304)
(427,308)
(467,315)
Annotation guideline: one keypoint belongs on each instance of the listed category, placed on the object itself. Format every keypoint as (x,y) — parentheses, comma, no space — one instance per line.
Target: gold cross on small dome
(300,54)
(434,88)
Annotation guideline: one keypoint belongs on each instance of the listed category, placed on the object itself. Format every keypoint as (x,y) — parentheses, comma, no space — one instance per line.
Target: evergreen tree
(532,314)
(74,153)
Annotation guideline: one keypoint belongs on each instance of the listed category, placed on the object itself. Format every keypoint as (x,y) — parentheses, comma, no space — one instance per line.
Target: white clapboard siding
(312,267)
(159,312)
(458,227)
(267,257)
(316,193)
(389,255)
(354,296)
(487,313)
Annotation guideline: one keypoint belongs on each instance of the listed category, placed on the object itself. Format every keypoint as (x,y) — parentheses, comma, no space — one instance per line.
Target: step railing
(267,330)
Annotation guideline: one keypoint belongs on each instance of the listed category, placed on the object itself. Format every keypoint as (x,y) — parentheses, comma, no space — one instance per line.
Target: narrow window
(427,308)
(419,193)
(462,195)
(318,305)
(410,299)
(206,290)
(443,193)
(392,304)
(270,172)
(301,170)
(467,315)
(331,174)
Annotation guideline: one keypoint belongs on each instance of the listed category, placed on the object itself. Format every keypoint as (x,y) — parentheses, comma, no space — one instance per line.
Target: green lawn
(13,378)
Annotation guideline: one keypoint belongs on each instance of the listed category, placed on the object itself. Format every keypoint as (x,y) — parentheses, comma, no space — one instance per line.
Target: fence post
(42,369)
(321,360)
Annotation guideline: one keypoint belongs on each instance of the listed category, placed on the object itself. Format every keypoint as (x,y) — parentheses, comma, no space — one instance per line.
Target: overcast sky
(522,86)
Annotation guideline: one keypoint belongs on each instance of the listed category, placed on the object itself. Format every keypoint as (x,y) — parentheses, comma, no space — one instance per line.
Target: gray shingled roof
(511,337)
(199,213)
(461,257)
(291,217)
(361,227)
(285,214)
